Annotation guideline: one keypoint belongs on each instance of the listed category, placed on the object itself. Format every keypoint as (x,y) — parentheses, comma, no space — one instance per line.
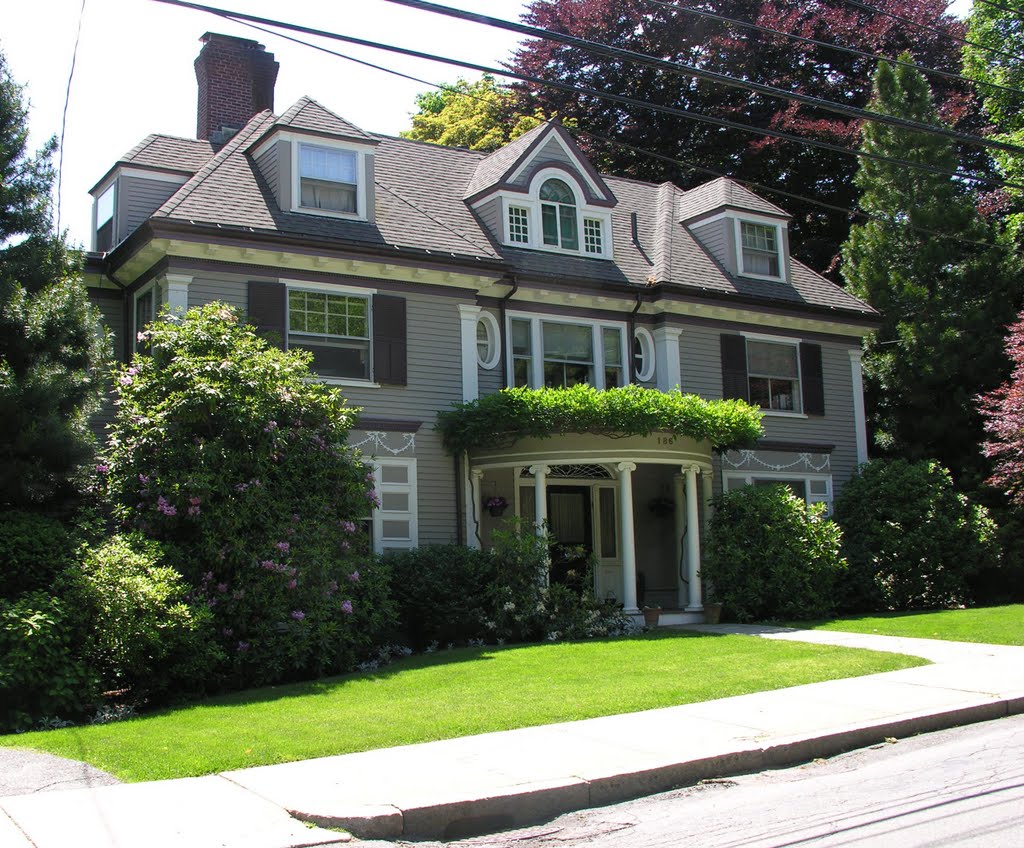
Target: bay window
(560,354)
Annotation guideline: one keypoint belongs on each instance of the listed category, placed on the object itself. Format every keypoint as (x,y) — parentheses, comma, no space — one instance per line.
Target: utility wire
(874,10)
(1001,7)
(615,98)
(849,213)
(853,51)
(600,49)
(64,114)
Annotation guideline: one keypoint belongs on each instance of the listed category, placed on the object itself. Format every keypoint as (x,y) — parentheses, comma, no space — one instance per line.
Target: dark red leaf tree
(663,30)
(1003,411)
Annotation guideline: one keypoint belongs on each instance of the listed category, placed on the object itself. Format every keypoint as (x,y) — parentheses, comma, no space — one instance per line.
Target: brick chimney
(236,79)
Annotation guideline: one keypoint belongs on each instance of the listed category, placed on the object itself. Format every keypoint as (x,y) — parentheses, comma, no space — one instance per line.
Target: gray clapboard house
(420,276)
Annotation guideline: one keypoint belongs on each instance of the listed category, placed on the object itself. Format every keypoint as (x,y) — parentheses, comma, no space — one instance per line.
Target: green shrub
(771,556)
(146,636)
(912,540)
(40,673)
(439,592)
(34,549)
(223,446)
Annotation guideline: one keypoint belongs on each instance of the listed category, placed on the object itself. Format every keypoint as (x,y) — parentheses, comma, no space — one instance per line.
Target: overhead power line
(1001,7)
(846,211)
(614,98)
(852,51)
(597,48)
(876,11)
(64,114)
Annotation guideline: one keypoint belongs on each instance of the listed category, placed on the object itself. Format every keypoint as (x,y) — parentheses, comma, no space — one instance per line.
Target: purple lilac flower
(241,487)
(195,501)
(348,526)
(298,615)
(354,577)
(283,547)
(164,506)
(227,631)
(194,510)
(222,587)
(332,587)
(102,469)
(143,478)
(242,647)
(271,426)
(346,607)
(291,584)
(345,546)
(269,564)
(125,380)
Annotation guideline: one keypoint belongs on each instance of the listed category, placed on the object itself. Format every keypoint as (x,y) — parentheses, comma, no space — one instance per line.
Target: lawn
(449,694)
(993,625)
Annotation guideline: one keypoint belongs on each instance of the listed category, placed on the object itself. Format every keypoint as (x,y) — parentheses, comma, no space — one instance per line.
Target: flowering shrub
(223,447)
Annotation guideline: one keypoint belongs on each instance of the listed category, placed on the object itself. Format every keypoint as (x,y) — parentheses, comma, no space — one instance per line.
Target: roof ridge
(426,214)
(256,122)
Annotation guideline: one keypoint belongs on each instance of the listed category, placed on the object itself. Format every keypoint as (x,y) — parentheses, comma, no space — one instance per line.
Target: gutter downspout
(630,359)
(503,332)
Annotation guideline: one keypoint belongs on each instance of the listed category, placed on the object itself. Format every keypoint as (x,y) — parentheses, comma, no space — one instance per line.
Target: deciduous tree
(1003,411)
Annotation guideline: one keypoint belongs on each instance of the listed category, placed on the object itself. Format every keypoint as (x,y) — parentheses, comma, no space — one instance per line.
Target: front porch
(637,504)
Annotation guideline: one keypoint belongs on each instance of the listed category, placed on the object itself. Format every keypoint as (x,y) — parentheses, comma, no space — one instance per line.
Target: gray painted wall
(267,164)
(112,311)
(490,214)
(718,238)
(138,200)
(550,152)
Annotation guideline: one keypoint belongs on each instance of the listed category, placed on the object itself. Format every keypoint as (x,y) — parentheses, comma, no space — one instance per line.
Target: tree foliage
(51,349)
(944,284)
(478,115)
(1003,411)
(660,30)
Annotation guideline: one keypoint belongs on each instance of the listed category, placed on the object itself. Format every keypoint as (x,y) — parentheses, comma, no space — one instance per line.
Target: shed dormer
(748,235)
(317,163)
(540,192)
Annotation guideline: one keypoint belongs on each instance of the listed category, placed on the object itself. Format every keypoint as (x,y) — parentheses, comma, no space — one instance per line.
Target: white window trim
(379,515)
(330,144)
(493,338)
(748,478)
(647,349)
(157,303)
(787,340)
(537,346)
(532,204)
(764,221)
(331,288)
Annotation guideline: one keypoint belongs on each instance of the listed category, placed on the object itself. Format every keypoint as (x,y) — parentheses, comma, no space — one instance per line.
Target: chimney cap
(207,37)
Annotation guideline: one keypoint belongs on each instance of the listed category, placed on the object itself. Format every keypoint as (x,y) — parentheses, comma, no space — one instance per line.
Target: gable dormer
(540,192)
(317,163)
(748,235)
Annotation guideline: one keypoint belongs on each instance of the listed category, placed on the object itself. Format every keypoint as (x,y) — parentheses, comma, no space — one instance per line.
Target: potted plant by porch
(712,612)
(496,505)
(652,615)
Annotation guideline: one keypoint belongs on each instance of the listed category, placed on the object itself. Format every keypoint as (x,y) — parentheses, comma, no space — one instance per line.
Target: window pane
(549,221)
(394,474)
(567,221)
(394,501)
(759,237)
(772,360)
(557,192)
(521,372)
(518,225)
(611,339)
(568,341)
(782,394)
(520,337)
(613,378)
(322,163)
(593,239)
(395,530)
(760,392)
(105,206)
(606,507)
(325,195)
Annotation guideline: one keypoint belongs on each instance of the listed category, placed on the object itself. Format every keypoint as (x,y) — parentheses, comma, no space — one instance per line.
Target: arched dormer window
(558,215)
(555,215)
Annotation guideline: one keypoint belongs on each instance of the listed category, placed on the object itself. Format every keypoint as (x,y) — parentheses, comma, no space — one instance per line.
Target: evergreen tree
(944,284)
(51,347)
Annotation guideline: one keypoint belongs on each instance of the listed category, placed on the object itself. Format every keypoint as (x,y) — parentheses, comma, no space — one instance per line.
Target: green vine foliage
(503,417)
(226,450)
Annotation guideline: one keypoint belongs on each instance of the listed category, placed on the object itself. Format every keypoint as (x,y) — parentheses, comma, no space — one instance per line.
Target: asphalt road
(962,787)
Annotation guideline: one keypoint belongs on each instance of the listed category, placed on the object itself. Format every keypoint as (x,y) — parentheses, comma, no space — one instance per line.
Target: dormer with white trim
(540,192)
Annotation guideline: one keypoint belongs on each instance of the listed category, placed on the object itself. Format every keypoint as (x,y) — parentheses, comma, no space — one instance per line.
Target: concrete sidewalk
(501,780)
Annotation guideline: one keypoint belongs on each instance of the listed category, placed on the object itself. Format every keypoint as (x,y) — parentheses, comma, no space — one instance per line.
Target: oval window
(643,355)
(488,347)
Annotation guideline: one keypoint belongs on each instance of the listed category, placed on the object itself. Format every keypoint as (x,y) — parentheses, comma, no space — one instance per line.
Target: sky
(134,74)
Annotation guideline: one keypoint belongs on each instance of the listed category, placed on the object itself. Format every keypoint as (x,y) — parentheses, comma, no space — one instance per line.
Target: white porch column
(468,316)
(177,293)
(626,470)
(666,357)
(693,540)
(472,478)
(860,424)
(540,496)
(679,501)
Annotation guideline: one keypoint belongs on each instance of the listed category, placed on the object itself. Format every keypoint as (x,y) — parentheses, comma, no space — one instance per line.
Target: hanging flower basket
(496,505)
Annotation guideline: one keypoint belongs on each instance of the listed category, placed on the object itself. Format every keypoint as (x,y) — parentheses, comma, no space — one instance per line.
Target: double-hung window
(335,327)
(558,354)
(760,249)
(328,179)
(773,374)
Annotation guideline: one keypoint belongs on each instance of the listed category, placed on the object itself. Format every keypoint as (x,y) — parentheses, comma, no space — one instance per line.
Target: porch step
(669,617)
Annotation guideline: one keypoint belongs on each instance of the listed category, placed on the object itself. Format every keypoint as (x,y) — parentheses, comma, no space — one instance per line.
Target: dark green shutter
(389,340)
(811,379)
(734,367)
(267,310)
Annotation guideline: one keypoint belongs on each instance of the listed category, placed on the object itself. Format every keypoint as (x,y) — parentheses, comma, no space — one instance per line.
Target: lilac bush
(224,448)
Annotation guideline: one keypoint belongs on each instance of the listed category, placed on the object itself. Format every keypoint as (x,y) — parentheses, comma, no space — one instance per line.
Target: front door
(569,521)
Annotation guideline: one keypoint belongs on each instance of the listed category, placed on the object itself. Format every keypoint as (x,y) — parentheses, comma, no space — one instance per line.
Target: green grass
(993,625)
(456,693)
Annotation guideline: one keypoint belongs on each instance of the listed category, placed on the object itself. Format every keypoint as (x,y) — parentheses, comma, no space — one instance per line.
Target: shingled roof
(165,153)
(421,209)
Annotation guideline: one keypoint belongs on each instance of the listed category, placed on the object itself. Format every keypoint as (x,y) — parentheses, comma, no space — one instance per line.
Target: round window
(643,355)
(488,347)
